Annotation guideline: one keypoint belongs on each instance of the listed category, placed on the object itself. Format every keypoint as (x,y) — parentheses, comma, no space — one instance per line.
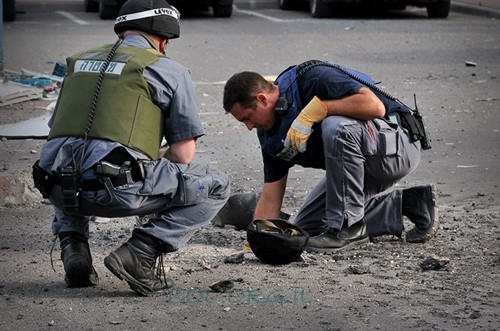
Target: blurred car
(108,9)
(9,10)
(324,8)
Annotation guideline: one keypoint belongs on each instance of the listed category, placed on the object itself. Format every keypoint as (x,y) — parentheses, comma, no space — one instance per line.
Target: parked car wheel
(319,8)
(223,10)
(9,10)
(287,4)
(91,6)
(439,9)
(107,12)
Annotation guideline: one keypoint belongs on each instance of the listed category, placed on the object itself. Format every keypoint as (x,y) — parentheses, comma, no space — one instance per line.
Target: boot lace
(54,240)
(160,269)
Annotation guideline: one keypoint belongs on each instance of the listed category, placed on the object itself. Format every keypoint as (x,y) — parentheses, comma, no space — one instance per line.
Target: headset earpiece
(281,105)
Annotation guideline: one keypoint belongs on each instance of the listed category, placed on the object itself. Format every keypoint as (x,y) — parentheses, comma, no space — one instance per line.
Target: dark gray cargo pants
(364,160)
(183,198)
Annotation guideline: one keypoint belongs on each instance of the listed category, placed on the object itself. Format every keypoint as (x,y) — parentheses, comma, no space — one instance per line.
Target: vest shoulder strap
(287,82)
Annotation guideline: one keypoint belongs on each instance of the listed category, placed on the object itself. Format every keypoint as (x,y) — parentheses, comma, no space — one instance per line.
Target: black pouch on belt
(43,180)
(69,180)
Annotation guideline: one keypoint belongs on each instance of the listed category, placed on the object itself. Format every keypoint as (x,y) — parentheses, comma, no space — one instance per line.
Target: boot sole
(433,230)
(114,265)
(351,245)
(79,274)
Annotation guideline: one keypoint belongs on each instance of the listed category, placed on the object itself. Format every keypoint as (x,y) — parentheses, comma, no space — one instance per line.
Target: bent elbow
(374,107)
(381,112)
(379,109)
(186,159)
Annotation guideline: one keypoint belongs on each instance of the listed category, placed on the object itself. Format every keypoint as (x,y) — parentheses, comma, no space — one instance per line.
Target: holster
(127,173)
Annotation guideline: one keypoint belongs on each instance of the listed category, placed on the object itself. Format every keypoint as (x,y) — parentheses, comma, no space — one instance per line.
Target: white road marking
(72,18)
(266,17)
(222,82)
(271,78)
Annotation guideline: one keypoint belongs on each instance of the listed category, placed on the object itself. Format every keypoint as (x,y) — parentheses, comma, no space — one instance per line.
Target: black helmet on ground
(275,241)
(152,16)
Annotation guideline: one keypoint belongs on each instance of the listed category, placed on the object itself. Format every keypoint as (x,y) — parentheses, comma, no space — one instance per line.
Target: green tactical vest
(124,111)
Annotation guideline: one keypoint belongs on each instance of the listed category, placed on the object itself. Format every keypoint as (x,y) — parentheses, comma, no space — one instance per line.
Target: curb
(250,5)
(475,10)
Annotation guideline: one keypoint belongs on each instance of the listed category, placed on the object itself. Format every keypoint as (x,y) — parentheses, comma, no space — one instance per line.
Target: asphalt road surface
(379,287)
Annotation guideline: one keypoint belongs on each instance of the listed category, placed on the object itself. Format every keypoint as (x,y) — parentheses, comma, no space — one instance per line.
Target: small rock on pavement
(358,269)
(222,286)
(434,262)
(235,258)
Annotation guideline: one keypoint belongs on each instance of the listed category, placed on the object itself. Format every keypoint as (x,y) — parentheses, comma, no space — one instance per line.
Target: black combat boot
(420,206)
(77,261)
(134,262)
(333,240)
